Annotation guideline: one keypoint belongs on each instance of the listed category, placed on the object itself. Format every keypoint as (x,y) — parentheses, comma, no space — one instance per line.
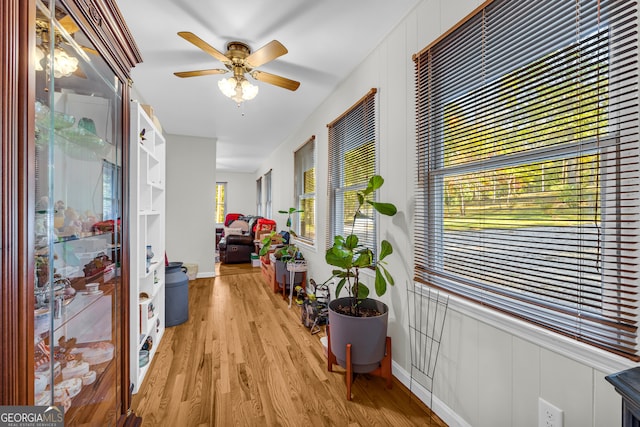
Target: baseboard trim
(206,275)
(446,414)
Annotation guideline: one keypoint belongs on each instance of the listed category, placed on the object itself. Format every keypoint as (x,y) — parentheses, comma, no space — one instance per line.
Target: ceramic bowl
(144,357)
(92,288)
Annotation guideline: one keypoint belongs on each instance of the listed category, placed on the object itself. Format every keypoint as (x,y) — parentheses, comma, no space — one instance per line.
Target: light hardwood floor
(244,359)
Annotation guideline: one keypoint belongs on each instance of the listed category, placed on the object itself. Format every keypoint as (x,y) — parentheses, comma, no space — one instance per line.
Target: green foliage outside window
(359,167)
(542,192)
(220,202)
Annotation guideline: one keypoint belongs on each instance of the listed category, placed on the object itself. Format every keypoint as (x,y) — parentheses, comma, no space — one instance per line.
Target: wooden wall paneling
(16,177)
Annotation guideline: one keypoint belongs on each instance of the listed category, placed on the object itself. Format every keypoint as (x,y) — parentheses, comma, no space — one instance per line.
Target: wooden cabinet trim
(16,18)
(17,178)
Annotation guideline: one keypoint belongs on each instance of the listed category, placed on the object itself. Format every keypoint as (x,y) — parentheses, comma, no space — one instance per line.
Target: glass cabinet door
(78,142)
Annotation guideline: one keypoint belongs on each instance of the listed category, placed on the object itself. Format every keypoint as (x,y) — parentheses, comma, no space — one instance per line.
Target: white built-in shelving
(147,215)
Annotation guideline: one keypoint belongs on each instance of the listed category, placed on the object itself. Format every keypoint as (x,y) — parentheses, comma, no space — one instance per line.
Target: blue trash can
(176,294)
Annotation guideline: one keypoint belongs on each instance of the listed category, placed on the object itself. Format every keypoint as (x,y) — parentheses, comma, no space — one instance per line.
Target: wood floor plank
(244,359)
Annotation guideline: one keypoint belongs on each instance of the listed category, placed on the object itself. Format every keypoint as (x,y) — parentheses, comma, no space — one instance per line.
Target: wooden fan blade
(90,50)
(266,53)
(275,80)
(199,72)
(68,24)
(79,73)
(192,38)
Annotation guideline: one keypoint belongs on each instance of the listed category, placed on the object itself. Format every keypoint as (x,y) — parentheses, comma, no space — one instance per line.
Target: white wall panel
(429,24)
(457,377)
(190,202)
(487,375)
(241,192)
(606,409)
(452,11)
(568,386)
(525,382)
(495,362)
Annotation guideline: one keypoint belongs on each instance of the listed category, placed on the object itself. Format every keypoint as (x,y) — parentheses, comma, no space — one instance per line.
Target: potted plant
(285,254)
(357,319)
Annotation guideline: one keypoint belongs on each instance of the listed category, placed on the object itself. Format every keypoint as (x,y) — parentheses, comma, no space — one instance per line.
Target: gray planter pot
(281,271)
(367,335)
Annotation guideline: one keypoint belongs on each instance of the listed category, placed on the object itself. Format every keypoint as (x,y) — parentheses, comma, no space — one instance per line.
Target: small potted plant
(286,254)
(357,319)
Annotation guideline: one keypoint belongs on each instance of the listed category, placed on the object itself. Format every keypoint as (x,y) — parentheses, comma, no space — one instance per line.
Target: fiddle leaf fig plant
(289,251)
(349,256)
(290,212)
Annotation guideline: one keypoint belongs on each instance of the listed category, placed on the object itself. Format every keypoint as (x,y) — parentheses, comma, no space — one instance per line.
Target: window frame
(224,186)
(259,196)
(268,202)
(305,155)
(425,181)
(341,139)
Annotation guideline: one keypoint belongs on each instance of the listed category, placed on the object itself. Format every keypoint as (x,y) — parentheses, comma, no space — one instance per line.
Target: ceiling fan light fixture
(228,86)
(63,64)
(249,91)
(238,90)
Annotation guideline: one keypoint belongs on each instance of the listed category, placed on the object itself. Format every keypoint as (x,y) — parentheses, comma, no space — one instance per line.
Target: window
(110,190)
(304,165)
(527,166)
(221,201)
(259,196)
(352,161)
(267,203)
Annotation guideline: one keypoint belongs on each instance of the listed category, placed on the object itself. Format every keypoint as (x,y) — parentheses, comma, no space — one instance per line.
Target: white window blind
(527,186)
(259,196)
(304,165)
(352,161)
(268,201)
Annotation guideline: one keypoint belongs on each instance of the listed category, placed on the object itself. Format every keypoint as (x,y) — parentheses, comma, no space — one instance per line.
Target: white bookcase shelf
(147,305)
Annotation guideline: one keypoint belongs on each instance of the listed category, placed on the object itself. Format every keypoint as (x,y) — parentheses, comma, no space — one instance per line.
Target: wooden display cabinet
(65,133)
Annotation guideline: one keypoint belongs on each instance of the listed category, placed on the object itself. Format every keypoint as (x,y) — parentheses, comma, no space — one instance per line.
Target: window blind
(304,165)
(352,161)
(527,182)
(268,211)
(259,196)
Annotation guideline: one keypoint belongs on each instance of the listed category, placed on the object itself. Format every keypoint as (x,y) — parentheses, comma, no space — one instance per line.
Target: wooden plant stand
(384,370)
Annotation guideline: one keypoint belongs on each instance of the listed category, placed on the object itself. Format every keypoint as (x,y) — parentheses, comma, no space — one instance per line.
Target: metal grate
(427,313)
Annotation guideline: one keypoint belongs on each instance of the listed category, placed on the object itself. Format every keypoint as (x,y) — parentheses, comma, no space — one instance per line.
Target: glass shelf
(70,310)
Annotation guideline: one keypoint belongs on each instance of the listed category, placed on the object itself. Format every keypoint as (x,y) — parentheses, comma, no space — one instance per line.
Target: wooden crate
(269,275)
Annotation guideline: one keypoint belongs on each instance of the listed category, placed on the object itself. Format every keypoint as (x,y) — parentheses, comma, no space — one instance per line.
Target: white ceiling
(326,40)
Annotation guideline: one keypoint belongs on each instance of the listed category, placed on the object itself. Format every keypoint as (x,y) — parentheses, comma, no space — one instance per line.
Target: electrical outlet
(549,415)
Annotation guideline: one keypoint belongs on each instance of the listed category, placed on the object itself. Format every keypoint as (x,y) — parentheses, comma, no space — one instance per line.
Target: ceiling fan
(240,61)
